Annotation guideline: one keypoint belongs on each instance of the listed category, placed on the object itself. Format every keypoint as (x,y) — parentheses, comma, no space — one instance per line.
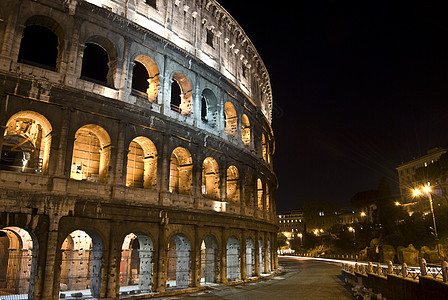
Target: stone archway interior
(209,259)
(17,263)
(178,274)
(81,264)
(233,259)
(250,257)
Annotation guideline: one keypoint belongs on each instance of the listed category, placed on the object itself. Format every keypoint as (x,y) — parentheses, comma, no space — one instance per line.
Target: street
(304,279)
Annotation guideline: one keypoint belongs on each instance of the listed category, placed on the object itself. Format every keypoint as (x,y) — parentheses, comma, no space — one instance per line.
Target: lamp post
(426,189)
(351,229)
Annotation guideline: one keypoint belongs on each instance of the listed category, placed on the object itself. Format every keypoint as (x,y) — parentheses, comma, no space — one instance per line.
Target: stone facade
(112,177)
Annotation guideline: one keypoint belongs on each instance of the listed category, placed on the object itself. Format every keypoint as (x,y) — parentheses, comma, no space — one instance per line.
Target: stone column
(223,260)
(243,267)
(196,258)
(160,284)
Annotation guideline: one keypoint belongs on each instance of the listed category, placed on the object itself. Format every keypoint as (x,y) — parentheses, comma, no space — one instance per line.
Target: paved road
(304,279)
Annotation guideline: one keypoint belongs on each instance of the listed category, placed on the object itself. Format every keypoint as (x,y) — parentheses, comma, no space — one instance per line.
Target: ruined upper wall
(204,29)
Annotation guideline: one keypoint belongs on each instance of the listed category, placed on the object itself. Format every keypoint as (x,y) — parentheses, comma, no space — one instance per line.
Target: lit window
(321,214)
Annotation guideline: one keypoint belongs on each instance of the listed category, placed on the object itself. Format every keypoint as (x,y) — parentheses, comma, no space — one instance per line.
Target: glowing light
(427,189)
(397,203)
(351,229)
(416,192)
(363,214)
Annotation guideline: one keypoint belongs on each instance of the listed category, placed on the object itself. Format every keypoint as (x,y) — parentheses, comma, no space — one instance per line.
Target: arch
(99,61)
(42,43)
(136,265)
(268,199)
(142,164)
(209,259)
(245,130)
(233,185)
(81,264)
(178,274)
(210,178)
(233,259)
(269,261)
(27,143)
(250,257)
(91,154)
(145,77)
(261,258)
(18,262)
(181,94)
(209,107)
(264,147)
(181,171)
(231,119)
(260,193)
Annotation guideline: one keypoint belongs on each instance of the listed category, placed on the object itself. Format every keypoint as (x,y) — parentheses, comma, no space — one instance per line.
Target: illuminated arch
(210,178)
(146,83)
(264,147)
(250,257)
(181,171)
(209,259)
(245,130)
(233,259)
(142,164)
(91,154)
(260,193)
(178,274)
(27,143)
(231,120)
(181,94)
(18,262)
(81,264)
(136,265)
(233,185)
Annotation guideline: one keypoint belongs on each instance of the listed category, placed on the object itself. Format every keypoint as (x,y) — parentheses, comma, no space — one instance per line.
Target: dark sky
(359,87)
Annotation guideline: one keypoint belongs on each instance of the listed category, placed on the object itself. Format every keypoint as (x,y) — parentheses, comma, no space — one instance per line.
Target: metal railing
(405,271)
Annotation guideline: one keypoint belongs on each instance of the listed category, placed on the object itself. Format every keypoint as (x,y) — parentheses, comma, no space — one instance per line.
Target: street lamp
(426,190)
(300,235)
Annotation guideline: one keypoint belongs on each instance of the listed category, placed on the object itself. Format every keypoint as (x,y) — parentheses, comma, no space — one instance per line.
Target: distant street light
(426,190)
(351,229)
(300,235)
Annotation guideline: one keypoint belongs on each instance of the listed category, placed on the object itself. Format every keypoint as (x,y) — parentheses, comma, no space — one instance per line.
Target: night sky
(359,87)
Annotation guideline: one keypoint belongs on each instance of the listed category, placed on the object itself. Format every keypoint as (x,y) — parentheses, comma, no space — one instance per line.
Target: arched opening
(178,274)
(81,264)
(136,263)
(209,260)
(99,61)
(181,94)
(233,185)
(269,256)
(261,256)
(26,144)
(245,130)
(145,78)
(210,178)
(18,263)
(264,147)
(233,259)
(39,47)
(231,119)
(259,193)
(142,164)
(209,107)
(181,171)
(91,154)
(268,199)
(250,257)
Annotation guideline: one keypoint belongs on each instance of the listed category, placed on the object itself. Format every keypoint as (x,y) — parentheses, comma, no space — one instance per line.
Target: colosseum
(137,150)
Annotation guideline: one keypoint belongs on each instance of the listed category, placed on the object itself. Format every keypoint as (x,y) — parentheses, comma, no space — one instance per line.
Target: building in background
(421,171)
